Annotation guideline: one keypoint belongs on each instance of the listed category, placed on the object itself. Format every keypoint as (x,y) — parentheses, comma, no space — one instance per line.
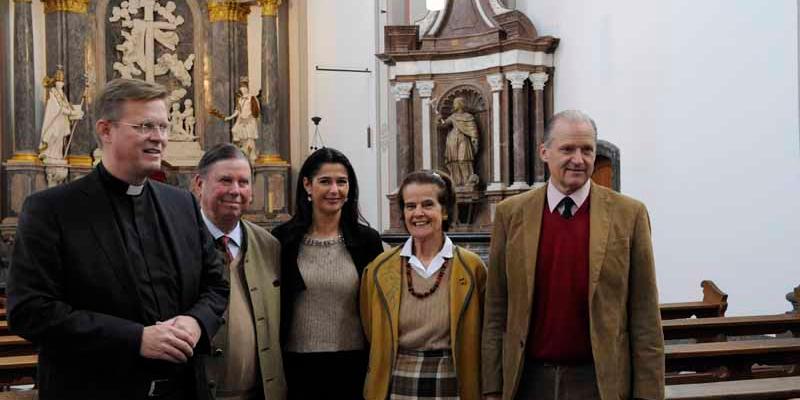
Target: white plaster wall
(342,35)
(702,99)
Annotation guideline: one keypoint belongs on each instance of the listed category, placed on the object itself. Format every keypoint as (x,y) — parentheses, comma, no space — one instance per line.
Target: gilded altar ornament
(269,8)
(73,6)
(227,11)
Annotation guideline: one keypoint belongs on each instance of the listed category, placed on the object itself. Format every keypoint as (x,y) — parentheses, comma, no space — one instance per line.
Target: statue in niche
(188,117)
(245,129)
(58,117)
(461,145)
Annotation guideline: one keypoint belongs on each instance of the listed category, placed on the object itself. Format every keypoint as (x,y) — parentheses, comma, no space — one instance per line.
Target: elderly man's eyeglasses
(147,128)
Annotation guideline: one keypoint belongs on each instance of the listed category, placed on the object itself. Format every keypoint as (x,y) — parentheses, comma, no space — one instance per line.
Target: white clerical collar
(235,235)
(554,196)
(436,263)
(134,190)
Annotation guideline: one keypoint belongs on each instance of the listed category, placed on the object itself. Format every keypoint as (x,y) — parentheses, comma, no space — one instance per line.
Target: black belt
(426,353)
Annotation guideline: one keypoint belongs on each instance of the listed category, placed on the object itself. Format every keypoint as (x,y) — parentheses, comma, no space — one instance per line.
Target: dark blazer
(71,289)
(362,242)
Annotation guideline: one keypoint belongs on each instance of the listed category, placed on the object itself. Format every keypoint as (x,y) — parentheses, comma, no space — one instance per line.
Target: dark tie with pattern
(567,202)
(222,245)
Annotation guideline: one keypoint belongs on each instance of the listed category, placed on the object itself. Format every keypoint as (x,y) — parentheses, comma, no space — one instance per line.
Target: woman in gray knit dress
(325,247)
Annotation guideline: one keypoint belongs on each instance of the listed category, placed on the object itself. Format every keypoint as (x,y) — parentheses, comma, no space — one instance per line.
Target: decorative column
(519,136)
(24,172)
(496,82)
(25,135)
(269,138)
(67,25)
(227,57)
(538,80)
(424,89)
(405,148)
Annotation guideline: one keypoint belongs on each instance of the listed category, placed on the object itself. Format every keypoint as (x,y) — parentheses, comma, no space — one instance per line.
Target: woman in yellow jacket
(422,303)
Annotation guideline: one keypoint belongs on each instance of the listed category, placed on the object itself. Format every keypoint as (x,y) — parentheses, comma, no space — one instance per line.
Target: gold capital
(24,158)
(79,161)
(269,8)
(227,11)
(74,6)
(270,159)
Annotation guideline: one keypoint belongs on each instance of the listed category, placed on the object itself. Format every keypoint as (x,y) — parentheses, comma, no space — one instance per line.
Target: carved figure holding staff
(58,117)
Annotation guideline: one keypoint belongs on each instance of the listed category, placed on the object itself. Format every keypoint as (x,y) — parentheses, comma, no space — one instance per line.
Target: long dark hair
(303,211)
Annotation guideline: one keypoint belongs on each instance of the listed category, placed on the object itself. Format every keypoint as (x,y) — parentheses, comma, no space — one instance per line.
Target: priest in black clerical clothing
(114,276)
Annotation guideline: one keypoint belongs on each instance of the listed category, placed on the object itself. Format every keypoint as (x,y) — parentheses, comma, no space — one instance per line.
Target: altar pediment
(464,28)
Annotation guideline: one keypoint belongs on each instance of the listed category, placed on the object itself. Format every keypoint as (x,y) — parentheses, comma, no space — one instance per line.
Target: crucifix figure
(138,49)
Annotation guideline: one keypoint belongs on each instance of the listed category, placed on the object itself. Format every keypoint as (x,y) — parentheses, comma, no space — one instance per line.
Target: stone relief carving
(145,24)
(182,122)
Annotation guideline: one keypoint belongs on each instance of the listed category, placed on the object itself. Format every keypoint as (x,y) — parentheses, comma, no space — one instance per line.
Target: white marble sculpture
(245,129)
(57,122)
(188,118)
(178,131)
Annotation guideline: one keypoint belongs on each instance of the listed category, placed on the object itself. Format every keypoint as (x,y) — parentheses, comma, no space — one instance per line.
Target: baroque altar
(198,49)
(473,88)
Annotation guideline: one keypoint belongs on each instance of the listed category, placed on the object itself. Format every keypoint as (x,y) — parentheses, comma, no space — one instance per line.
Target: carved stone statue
(58,114)
(461,144)
(245,129)
(188,117)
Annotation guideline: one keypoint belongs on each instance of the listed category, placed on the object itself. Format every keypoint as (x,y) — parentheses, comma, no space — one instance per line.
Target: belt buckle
(154,385)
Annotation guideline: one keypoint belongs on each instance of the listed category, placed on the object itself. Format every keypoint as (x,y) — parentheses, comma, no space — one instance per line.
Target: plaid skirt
(424,375)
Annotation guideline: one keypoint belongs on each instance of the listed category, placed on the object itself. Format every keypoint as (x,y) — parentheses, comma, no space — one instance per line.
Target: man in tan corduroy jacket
(571,306)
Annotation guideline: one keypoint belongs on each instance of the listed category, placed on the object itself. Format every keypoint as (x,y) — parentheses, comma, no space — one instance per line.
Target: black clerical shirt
(139,223)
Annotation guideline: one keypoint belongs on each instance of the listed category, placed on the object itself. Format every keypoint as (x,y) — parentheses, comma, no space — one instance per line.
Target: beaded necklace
(433,288)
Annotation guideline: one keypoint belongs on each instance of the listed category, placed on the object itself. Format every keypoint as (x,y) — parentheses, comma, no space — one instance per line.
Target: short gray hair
(573,116)
(108,105)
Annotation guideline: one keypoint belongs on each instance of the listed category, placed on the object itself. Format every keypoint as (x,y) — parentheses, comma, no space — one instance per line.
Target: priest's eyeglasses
(147,128)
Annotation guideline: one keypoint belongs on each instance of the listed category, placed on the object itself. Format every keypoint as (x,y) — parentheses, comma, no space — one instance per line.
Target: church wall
(702,100)
(325,36)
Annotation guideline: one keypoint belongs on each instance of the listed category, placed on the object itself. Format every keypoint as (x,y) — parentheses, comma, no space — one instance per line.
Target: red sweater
(559,326)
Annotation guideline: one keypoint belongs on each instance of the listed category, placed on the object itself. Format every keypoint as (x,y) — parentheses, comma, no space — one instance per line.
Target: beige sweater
(326,313)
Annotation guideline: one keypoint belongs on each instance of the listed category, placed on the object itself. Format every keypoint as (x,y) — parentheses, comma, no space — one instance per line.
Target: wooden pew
(4,328)
(728,360)
(13,345)
(17,369)
(20,395)
(722,327)
(714,304)
(749,389)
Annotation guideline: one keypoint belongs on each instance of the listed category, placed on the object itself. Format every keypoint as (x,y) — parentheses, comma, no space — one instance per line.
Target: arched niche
(475,103)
